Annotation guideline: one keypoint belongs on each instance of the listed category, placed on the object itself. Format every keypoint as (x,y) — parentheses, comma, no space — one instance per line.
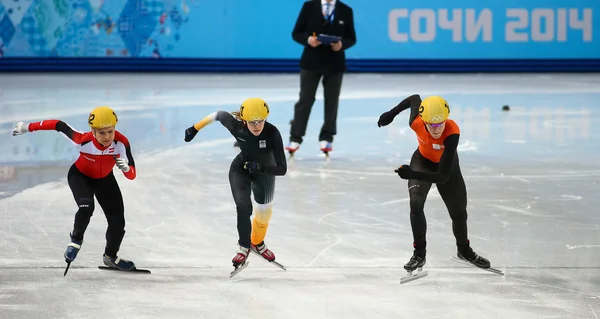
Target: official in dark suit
(319,60)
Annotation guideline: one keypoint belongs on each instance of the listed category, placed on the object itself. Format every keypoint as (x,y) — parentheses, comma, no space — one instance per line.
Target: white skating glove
(122,164)
(20,128)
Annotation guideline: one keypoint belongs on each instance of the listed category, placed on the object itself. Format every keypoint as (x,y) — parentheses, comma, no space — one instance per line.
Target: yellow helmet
(102,117)
(434,110)
(254,109)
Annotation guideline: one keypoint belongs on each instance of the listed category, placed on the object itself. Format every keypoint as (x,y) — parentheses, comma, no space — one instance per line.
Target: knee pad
(86,206)
(263,213)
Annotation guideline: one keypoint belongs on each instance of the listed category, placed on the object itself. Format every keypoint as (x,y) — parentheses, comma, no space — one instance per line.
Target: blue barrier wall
(228,35)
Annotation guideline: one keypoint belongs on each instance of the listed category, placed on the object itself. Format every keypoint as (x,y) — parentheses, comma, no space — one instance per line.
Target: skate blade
(135,270)
(238,269)
(411,277)
(492,270)
(67,269)
(278,265)
(270,262)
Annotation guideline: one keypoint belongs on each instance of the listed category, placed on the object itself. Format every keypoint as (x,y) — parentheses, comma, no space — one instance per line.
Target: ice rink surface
(341,226)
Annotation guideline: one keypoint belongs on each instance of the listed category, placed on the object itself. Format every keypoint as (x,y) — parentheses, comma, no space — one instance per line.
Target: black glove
(386,118)
(405,172)
(253,167)
(190,132)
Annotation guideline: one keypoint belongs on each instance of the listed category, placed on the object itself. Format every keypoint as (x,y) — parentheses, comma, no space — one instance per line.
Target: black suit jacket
(311,21)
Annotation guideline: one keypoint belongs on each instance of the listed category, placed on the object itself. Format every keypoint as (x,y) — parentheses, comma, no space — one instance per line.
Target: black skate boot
(416,262)
(72,249)
(467,256)
(473,258)
(71,252)
(118,263)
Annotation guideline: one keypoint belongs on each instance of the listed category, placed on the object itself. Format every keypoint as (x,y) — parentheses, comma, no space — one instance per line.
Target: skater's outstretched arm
(413,102)
(227,119)
(280,167)
(443,172)
(50,125)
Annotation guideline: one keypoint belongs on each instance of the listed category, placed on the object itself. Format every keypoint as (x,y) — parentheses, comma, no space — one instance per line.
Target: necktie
(326,13)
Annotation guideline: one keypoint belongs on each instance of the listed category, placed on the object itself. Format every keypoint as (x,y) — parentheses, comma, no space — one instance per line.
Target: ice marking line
(320,219)
(328,247)
(151,102)
(401,200)
(525,211)
(17,264)
(573,197)
(501,176)
(582,246)
(555,287)
(324,250)
(594,312)
(383,221)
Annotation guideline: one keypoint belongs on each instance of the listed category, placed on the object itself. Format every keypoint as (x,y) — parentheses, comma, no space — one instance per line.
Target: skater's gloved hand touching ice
(122,164)
(20,128)
(405,172)
(190,132)
(253,167)
(386,118)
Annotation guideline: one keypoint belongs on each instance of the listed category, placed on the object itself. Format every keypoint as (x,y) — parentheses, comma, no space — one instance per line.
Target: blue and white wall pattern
(235,29)
(91,28)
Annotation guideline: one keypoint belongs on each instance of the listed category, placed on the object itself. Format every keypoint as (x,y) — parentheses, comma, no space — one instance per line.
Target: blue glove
(253,167)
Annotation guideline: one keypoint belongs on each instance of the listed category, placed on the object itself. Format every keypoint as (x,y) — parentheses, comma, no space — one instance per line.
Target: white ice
(340,226)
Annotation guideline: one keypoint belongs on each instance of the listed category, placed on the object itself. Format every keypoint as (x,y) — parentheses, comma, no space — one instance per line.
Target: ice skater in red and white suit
(92,175)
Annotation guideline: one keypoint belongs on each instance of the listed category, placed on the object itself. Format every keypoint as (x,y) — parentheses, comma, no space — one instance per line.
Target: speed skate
(270,262)
(238,269)
(410,276)
(134,270)
(493,270)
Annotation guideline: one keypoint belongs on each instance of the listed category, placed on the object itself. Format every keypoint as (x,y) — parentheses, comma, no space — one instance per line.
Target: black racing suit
(266,150)
(445,174)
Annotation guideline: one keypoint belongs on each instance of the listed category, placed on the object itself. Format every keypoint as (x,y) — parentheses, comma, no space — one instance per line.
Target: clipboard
(328,39)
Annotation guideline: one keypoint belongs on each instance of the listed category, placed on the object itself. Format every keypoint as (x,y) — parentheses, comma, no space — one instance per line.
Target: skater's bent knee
(458,215)
(263,213)
(86,206)
(417,203)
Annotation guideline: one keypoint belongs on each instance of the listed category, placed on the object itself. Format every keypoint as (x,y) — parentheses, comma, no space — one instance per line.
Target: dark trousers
(454,195)
(242,185)
(309,82)
(109,197)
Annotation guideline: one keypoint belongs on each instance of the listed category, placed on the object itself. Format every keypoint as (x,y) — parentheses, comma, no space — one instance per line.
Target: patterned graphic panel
(238,29)
(91,28)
